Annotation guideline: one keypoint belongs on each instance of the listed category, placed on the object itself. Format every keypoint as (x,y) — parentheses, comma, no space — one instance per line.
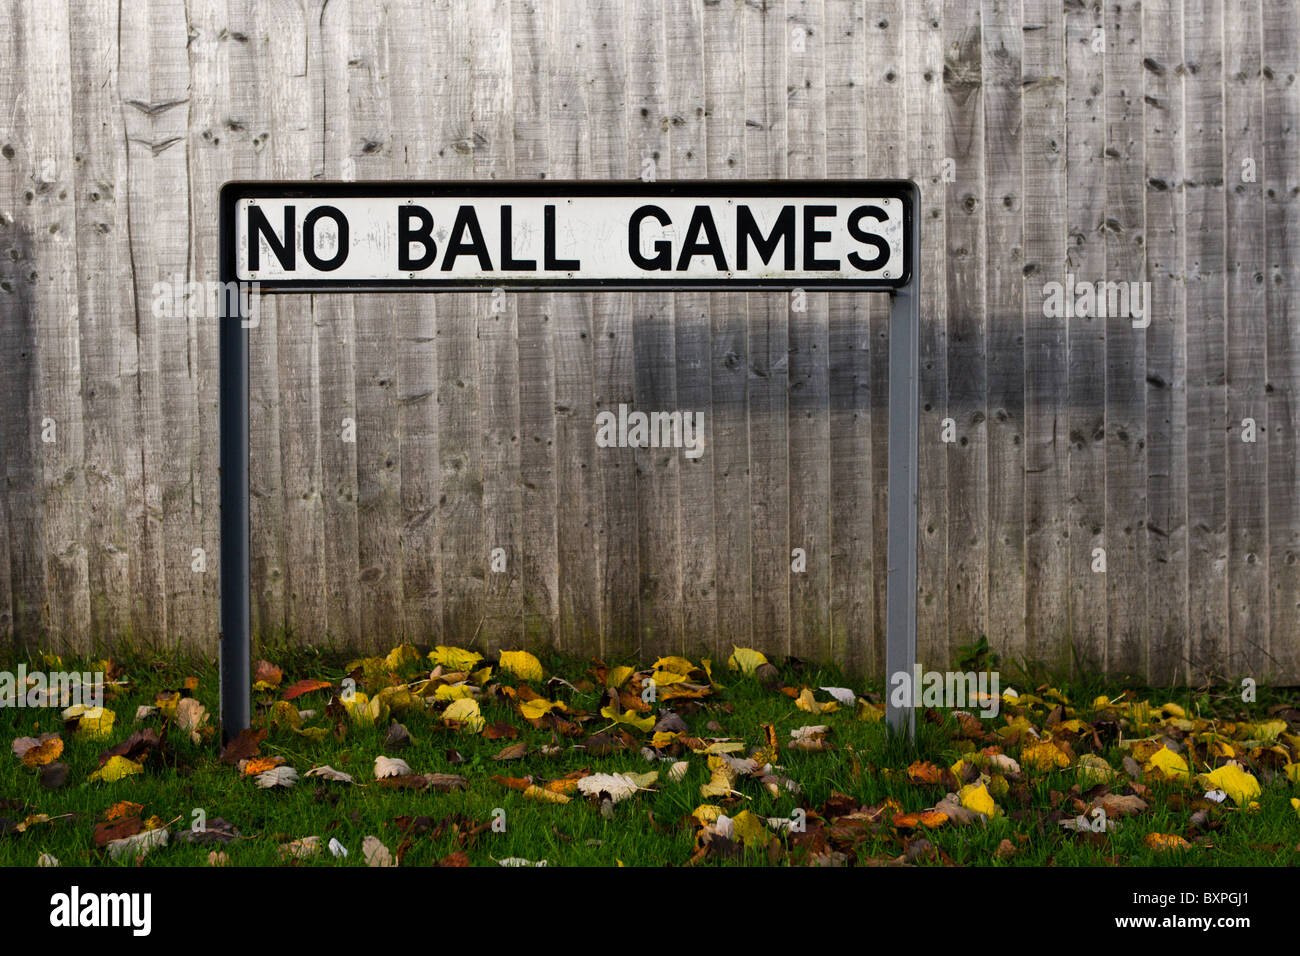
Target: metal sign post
(312,237)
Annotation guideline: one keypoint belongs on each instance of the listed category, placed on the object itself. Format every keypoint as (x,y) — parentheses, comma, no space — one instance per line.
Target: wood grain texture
(1085,114)
(1047,543)
(1166,354)
(1075,143)
(1281,60)
(1207,414)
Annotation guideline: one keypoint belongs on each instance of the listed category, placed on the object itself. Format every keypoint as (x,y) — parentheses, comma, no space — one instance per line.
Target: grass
(653,828)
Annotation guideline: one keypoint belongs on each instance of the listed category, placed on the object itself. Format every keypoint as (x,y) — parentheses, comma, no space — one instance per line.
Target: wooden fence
(1055,143)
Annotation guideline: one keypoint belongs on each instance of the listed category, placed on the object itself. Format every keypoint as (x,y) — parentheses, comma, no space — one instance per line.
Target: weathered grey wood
(683,34)
(104,302)
(853,151)
(381,519)
(1035,156)
(1126,469)
(967,197)
(609,67)
(766,93)
(926,158)
(297,378)
(1166,356)
(460,516)
(1047,544)
(1247,342)
(725,80)
(1000,61)
(19,417)
(417,153)
(1281,58)
(537,466)
(57,336)
(580,518)
(1207,519)
(808,415)
(498,319)
(1085,356)
(337,352)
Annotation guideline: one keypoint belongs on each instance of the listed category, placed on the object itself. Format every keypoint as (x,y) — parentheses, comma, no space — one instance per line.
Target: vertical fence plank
(1207,579)
(337,351)
(653,351)
(104,303)
(1000,64)
(927,161)
(579,493)
(51,217)
(613,85)
(1125,442)
(691,326)
(1166,358)
(766,93)
(24,530)
(1085,262)
(848,336)
(1281,57)
(417,153)
(498,323)
(1246,342)
(1047,544)
(297,372)
(808,412)
(726,78)
(530,64)
(967,376)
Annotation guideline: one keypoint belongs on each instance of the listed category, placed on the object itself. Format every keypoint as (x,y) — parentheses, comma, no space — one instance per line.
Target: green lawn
(844,791)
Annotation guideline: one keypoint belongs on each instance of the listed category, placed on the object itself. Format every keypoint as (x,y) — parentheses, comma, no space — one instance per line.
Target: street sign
(842,235)
(449,236)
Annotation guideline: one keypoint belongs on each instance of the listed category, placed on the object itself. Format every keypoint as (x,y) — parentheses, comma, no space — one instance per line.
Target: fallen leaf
(116,769)
(329,773)
(522,664)
(1162,842)
(390,767)
(745,659)
(285,777)
(376,854)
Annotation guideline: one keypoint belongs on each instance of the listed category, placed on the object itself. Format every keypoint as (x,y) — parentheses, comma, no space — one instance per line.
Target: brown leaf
(46,752)
(304,687)
(500,731)
(54,776)
(264,672)
(513,752)
(106,833)
(243,747)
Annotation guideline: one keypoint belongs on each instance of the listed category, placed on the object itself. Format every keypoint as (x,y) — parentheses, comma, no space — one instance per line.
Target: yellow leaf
(1235,782)
(745,660)
(1173,710)
(452,692)
(535,708)
(617,676)
(43,753)
(465,711)
(1044,755)
(1292,771)
(719,784)
(401,656)
(1295,805)
(706,813)
(534,792)
(96,723)
(1166,841)
(1168,763)
(749,828)
(975,796)
(664,678)
(480,676)
(678,665)
(806,701)
(115,769)
(629,717)
(869,712)
(453,658)
(522,664)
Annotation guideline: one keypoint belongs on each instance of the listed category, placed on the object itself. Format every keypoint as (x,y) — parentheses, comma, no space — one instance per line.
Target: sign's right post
(904,435)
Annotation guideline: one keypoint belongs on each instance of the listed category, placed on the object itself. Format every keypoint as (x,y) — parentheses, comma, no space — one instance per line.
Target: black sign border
(232,192)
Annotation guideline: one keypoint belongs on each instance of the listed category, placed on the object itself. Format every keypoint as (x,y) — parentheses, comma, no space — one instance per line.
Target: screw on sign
(846,235)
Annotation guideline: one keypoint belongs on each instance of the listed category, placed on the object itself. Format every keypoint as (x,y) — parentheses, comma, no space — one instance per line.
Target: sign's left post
(236,619)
